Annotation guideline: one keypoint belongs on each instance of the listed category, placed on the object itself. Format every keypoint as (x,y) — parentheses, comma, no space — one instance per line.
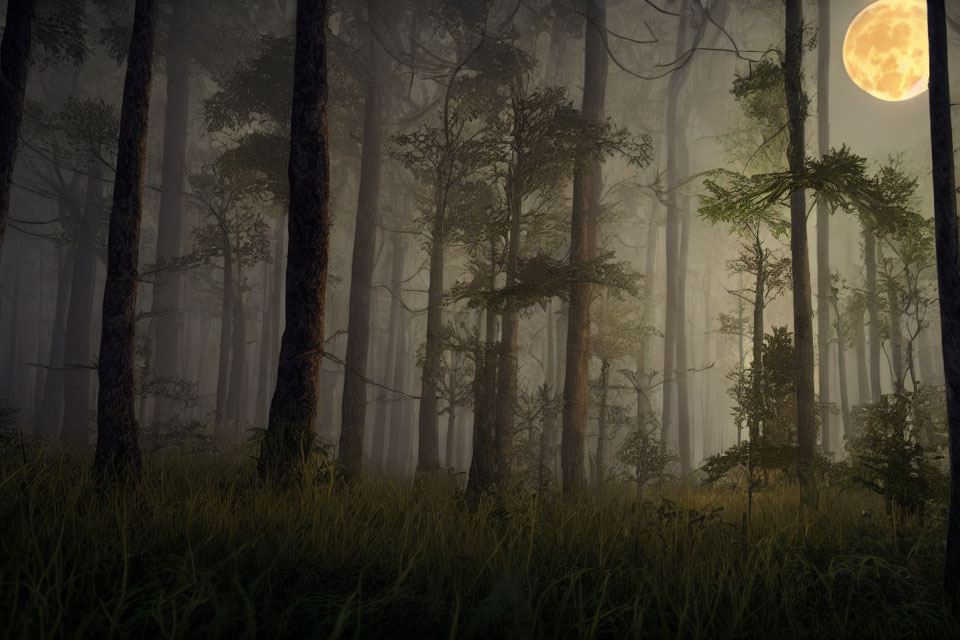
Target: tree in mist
(948,272)
(824,284)
(118,452)
(587,187)
(289,435)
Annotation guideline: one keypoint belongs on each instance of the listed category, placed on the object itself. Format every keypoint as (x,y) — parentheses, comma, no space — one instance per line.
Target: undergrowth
(199,549)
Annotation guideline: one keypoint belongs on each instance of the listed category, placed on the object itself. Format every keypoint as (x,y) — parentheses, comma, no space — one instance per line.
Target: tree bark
(354,403)
(896,337)
(587,187)
(118,452)
(483,465)
(759,305)
(50,414)
(379,448)
(14,65)
(799,249)
(948,274)
(860,349)
(237,392)
(166,313)
(601,461)
(824,285)
(226,340)
(293,410)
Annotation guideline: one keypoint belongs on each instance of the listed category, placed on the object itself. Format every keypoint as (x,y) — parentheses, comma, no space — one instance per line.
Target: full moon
(885,50)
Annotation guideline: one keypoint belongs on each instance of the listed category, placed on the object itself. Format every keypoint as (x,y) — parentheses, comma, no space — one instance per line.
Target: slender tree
(948,272)
(354,403)
(118,452)
(824,288)
(587,187)
(799,248)
(14,61)
(293,410)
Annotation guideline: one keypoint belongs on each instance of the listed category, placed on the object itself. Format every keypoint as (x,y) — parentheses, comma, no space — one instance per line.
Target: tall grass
(200,550)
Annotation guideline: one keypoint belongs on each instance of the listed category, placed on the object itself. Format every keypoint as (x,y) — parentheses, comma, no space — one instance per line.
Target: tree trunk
(378,450)
(272,319)
(226,340)
(354,403)
(118,453)
(683,393)
(79,352)
(860,349)
(844,396)
(759,304)
(265,351)
(506,398)
(293,410)
(602,423)
(483,465)
(873,313)
(12,338)
(237,393)
(824,285)
(166,313)
(451,448)
(14,65)
(800,255)
(428,452)
(50,414)
(587,187)
(399,434)
(896,337)
(948,273)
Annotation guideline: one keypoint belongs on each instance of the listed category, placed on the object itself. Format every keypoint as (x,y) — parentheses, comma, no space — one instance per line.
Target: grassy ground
(199,550)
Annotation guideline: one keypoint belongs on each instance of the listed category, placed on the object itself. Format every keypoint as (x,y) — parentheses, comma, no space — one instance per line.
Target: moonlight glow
(885,50)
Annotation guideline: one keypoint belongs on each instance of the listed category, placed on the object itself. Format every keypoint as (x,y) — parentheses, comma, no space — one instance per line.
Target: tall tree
(587,187)
(354,404)
(948,272)
(799,248)
(293,410)
(118,452)
(14,60)
(166,291)
(824,284)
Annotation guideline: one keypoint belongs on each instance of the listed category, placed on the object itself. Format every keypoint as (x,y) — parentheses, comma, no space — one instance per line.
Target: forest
(479,319)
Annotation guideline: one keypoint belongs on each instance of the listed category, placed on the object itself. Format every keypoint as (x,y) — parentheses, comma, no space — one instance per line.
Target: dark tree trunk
(683,392)
(237,393)
(948,273)
(354,405)
(271,334)
(800,253)
(587,187)
(13,341)
(602,436)
(451,448)
(14,63)
(167,316)
(824,286)
(844,394)
(79,351)
(293,410)
(118,453)
(265,352)
(398,439)
(896,337)
(429,444)
(873,313)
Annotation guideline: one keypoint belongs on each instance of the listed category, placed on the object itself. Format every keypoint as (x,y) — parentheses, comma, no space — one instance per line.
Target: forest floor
(199,549)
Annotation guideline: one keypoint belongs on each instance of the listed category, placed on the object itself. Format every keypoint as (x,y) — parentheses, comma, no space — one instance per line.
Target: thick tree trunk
(873,313)
(824,286)
(79,352)
(587,187)
(800,254)
(948,273)
(118,453)
(167,316)
(293,410)
(354,403)
(14,64)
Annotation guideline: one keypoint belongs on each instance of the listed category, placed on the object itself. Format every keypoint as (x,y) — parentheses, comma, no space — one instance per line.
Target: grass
(200,550)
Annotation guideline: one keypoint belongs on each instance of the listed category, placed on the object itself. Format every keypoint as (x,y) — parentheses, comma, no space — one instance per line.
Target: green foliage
(889,458)
(644,455)
(199,548)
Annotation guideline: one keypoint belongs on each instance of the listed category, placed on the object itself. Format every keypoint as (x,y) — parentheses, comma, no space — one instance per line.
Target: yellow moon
(886,52)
